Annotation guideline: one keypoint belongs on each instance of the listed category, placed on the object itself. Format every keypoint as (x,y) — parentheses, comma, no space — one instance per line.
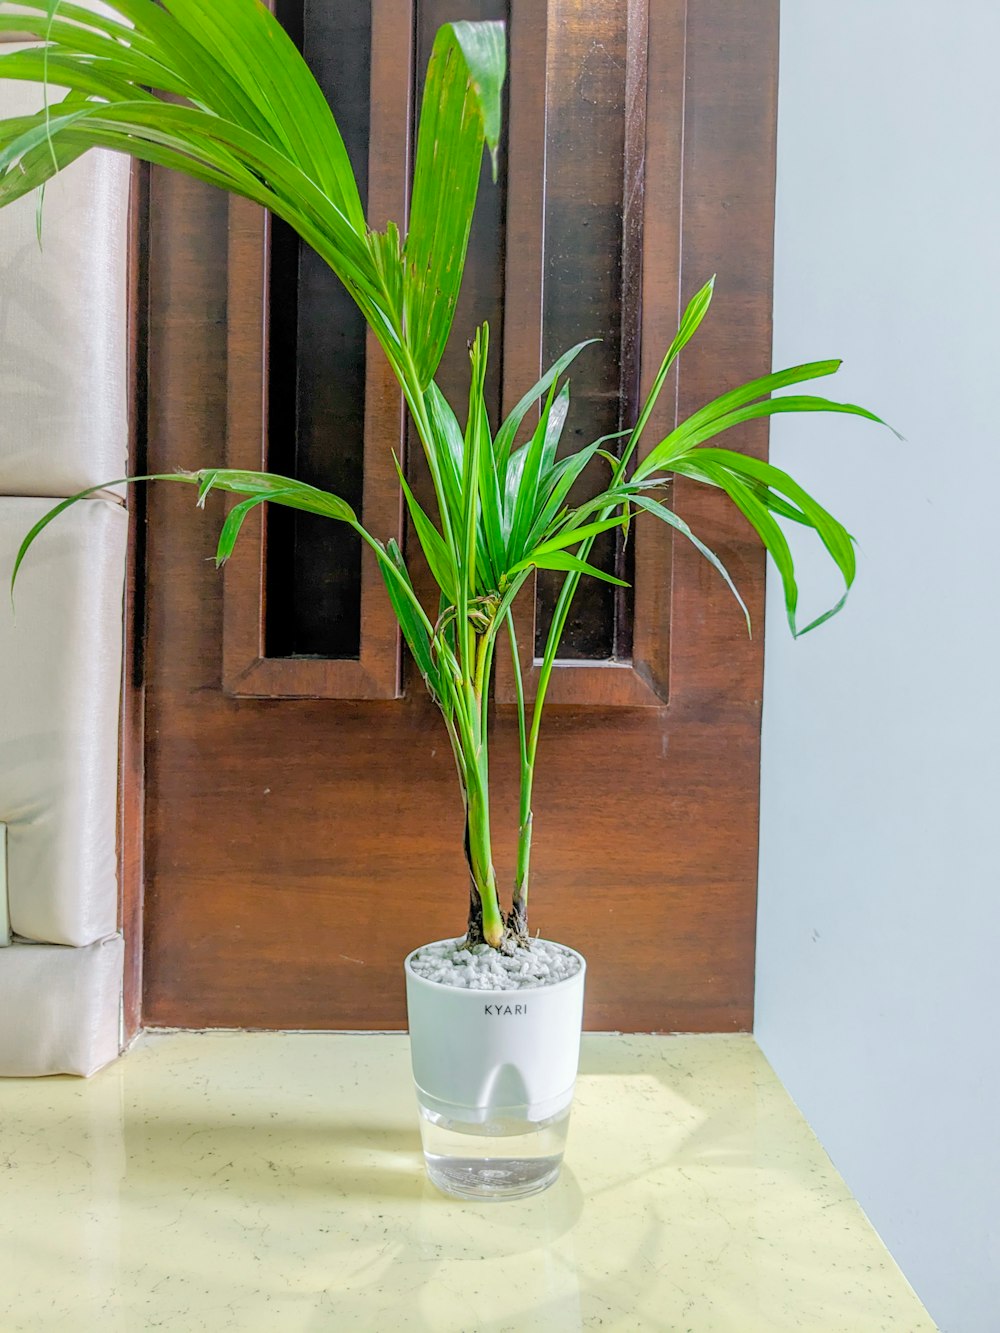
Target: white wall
(879,928)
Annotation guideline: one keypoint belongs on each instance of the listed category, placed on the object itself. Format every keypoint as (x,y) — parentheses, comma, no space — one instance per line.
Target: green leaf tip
(484,46)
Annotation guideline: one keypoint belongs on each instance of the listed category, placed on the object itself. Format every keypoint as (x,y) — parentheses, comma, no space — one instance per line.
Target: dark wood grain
(588,56)
(316,372)
(546,45)
(375,673)
(297,848)
(131,761)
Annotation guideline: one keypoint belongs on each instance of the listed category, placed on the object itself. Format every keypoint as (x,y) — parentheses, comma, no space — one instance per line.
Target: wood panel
(297,849)
(591,55)
(316,372)
(248,670)
(131,766)
(663,291)
(636,674)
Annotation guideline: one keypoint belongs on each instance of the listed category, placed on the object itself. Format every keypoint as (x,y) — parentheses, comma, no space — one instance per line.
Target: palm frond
(246,114)
(744,479)
(460,110)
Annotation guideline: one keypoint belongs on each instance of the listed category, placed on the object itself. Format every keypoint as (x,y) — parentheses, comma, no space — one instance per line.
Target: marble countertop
(274,1181)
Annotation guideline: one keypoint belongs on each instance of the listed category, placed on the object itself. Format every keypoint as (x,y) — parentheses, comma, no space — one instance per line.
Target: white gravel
(483,968)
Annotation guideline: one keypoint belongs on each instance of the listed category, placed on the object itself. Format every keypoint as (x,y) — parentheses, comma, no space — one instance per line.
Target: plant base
(506,1157)
(494,1072)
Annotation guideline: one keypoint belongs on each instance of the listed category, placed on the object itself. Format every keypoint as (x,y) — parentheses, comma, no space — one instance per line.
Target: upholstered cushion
(63,326)
(61,1007)
(60,676)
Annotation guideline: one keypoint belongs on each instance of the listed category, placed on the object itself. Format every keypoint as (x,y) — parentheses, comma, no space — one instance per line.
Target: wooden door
(303,824)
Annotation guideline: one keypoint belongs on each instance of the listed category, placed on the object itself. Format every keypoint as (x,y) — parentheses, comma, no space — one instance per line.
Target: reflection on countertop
(273,1181)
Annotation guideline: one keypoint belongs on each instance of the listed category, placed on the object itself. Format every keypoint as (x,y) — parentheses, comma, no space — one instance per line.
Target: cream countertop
(273,1181)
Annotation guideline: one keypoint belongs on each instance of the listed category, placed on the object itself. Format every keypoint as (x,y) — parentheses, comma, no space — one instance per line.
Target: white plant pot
(494,1074)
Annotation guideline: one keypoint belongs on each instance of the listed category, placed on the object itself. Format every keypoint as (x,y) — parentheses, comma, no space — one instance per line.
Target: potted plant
(220,92)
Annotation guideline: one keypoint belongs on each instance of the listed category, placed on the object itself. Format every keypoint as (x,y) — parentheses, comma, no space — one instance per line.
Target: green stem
(457,751)
(483,657)
(525,816)
(481,859)
(469,742)
(484,676)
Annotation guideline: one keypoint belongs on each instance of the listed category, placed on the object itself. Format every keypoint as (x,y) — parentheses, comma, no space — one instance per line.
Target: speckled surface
(262,1181)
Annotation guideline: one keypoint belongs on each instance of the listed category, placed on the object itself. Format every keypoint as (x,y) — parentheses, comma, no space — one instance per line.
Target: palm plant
(220,92)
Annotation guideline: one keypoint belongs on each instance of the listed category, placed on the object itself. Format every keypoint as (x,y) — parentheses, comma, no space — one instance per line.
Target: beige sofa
(63,427)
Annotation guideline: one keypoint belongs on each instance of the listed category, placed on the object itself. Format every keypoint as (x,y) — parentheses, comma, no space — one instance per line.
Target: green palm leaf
(439,558)
(527,469)
(413,628)
(571,564)
(691,434)
(264,64)
(560,481)
(234,522)
(508,431)
(668,516)
(571,535)
(460,111)
(694,312)
(741,477)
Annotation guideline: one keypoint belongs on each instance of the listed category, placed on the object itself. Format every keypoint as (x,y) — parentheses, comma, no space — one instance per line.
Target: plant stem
(518,921)
(469,698)
(483,656)
(469,741)
(480,858)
